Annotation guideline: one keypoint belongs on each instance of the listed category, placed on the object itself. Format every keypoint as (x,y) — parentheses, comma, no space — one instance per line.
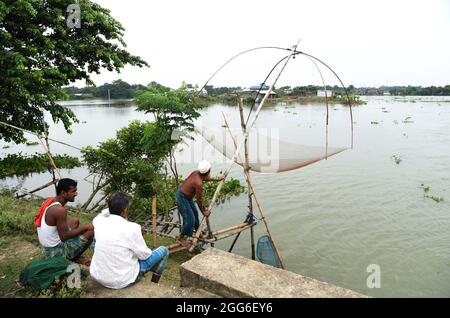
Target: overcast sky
(368,43)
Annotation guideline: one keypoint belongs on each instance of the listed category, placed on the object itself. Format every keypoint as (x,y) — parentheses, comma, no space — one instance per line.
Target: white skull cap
(204,166)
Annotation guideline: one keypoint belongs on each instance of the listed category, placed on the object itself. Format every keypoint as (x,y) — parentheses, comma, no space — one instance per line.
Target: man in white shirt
(121,256)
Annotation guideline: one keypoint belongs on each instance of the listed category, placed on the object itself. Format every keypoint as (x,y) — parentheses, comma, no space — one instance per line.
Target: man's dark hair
(65,185)
(118,202)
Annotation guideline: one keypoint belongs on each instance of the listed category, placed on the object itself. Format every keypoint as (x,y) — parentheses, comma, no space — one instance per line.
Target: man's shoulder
(134,226)
(56,209)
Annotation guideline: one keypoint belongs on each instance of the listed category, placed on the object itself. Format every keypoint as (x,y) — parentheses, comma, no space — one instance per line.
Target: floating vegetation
(374,122)
(385,111)
(31,143)
(434,198)
(397,159)
(426,190)
(18,164)
(395,122)
(6,147)
(84,122)
(407,120)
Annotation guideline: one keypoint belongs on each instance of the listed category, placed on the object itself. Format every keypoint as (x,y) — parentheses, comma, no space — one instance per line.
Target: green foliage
(19,164)
(419,90)
(173,109)
(132,160)
(39,54)
(231,187)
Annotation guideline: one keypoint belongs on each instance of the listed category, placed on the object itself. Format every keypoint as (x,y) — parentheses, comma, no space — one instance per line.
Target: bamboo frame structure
(247,171)
(37,189)
(261,211)
(202,224)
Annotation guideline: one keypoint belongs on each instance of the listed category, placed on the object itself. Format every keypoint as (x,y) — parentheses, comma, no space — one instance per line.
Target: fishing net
(265,153)
(265,251)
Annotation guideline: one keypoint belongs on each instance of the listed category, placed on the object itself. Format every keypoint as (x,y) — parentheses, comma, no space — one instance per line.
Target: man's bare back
(191,184)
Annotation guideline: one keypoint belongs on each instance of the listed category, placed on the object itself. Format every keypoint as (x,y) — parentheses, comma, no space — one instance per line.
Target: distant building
(262,91)
(324,93)
(372,92)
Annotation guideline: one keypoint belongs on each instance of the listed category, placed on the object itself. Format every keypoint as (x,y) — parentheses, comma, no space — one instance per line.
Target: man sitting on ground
(193,186)
(57,235)
(121,256)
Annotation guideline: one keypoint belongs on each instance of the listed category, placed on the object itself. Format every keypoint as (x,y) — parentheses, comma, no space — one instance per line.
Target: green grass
(171,275)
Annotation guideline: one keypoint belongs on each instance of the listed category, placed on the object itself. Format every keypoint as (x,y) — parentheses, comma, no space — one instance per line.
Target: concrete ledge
(230,275)
(143,289)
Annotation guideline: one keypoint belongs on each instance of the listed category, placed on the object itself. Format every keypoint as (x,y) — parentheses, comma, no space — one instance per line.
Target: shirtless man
(191,187)
(60,236)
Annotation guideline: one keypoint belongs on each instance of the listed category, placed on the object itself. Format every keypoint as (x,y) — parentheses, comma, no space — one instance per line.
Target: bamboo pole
(261,211)
(154,220)
(37,189)
(233,159)
(49,155)
(231,228)
(48,147)
(234,242)
(247,171)
(230,233)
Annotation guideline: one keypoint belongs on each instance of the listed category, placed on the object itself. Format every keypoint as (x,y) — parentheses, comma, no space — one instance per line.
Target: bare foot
(82,261)
(184,243)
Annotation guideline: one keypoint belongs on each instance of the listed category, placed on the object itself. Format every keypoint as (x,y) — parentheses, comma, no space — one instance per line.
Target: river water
(334,219)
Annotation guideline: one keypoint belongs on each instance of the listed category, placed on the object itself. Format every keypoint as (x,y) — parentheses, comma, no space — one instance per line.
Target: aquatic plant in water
(426,190)
(21,164)
(397,159)
(408,120)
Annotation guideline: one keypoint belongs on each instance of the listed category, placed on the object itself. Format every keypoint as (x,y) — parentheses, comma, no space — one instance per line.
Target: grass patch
(171,275)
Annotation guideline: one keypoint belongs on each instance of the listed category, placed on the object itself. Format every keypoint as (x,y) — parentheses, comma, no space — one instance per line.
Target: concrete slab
(143,289)
(231,275)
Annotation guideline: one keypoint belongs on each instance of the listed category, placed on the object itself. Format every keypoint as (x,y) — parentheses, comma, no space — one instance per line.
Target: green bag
(41,273)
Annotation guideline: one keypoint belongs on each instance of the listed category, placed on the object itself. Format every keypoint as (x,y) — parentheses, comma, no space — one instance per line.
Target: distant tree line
(311,90)
(120,89)
(117,89)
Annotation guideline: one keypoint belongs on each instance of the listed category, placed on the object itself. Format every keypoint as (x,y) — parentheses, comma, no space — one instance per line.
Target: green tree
(173,109)
(39,54)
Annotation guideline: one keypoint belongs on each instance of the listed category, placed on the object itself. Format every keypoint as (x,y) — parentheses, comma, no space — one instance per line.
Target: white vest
(48,235)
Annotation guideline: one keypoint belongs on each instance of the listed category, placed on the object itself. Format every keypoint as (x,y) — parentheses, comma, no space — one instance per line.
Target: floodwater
(335,219)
